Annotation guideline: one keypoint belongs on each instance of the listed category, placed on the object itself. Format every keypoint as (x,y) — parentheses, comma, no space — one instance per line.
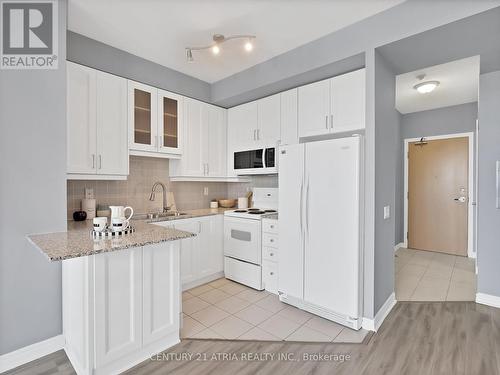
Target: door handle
(307,207)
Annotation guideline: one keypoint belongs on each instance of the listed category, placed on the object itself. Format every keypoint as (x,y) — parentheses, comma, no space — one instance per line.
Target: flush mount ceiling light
(426,86)
(218,40)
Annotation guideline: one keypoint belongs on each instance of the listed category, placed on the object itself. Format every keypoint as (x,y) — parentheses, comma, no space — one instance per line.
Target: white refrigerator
(320,261)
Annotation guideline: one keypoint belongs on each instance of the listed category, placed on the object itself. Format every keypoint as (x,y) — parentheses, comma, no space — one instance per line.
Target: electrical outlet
(89,193)
(387,212)
(205,190)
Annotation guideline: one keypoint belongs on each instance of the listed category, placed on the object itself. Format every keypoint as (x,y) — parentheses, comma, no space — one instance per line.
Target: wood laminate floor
(449,338)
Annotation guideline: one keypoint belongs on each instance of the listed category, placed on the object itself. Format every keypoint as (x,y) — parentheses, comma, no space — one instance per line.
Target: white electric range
(242,238)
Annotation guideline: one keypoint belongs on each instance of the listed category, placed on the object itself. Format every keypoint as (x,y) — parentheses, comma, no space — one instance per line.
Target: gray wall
(90,52)
(391,25)
(448,120)
(32,198)
(387,124)
(488,253)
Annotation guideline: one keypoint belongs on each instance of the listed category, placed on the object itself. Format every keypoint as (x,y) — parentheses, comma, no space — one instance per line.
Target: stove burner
(270,211)
(258,212)
(240,210)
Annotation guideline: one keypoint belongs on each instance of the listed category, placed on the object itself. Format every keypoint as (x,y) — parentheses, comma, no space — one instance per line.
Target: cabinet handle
(272,240)
(271,254)
(199,227)
(271,273)
(93,161)
(254,137)
(326,121)
(208,169)
(331,121)
(100,161)
(272,226)
(258,134)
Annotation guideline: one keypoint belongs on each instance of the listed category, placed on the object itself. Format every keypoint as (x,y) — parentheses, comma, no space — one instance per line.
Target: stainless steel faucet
(153,194)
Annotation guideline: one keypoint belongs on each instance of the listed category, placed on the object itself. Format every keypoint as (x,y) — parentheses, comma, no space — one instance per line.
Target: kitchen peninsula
(121,295)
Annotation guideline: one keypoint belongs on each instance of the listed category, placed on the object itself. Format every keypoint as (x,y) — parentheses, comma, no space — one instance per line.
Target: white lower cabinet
(270,246)
(120,306)
(202,256)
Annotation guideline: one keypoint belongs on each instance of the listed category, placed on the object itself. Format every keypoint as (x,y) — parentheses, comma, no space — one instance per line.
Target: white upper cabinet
(81,119)
(242,126)
(97,124)
(289,129)
(143,119)
(314,109)
(268,124)
(334,105)
(216,138)
(204,153)
(112,135)
(155,121)
(348,96)
(169,122)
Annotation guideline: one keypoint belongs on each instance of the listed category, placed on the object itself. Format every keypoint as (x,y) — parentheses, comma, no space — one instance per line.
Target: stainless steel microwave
(258,161)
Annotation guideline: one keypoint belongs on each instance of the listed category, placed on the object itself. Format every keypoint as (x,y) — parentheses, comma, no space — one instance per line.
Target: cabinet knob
(272,240)
(272,226)
(271,273)
(271,254)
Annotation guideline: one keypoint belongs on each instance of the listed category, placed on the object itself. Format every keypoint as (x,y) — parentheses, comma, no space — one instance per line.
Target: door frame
(471,192)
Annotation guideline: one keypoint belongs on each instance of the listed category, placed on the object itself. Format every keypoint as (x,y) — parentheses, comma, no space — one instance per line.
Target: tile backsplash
(144,172)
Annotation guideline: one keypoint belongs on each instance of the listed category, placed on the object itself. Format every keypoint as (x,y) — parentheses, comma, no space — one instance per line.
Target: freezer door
(291,221)
(332,239)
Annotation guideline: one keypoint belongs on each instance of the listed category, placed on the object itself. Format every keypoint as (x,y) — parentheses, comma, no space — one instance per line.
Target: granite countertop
(78,241)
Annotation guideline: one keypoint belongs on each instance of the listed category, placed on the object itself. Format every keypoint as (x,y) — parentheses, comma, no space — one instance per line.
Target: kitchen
(190,211)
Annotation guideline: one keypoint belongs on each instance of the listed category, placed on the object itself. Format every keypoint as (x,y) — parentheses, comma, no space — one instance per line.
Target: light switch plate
(205,190)
(387,212)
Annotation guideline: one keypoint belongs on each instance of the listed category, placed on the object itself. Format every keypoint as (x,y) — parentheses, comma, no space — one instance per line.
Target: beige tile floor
(428,276)
(224,309)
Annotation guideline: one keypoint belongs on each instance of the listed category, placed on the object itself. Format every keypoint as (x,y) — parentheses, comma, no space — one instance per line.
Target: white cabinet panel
(348,93)
(210,257)
(193,160)
(268,131)
(289,126)
(118,304)
(216,142)
(112,134)
(270,276)
(188,251)
(314,109)
(81,118)
(242,126)
(161,291)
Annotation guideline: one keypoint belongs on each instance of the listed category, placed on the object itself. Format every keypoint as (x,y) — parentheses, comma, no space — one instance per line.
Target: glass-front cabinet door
(169,122)
(143,125)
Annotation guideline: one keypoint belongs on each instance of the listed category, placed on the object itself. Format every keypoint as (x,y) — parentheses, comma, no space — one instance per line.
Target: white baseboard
(204,280)
(30,353)
(398,246)
(488,299)
(374,324)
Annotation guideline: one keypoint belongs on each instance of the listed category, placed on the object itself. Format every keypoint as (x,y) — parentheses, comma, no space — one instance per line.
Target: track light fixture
(216,45)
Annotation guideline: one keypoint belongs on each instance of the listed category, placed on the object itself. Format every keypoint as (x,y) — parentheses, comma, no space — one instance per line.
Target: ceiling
(160,30)
(459,84)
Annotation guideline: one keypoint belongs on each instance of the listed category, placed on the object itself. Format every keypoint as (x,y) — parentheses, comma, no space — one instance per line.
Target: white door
(242,126)
(188,250)
(314,109)
(289,130)
(196,119)
(210,258)
(269,117)
(216,135)
(331,258)
(170,122)
(161,290)
(242,239)
(118,304)
(291,220)
(81,118)
(348,93)
(112,133)
(142,117)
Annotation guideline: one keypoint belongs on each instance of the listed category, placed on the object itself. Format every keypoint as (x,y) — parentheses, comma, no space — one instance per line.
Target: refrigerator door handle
(307,208)
(301,206)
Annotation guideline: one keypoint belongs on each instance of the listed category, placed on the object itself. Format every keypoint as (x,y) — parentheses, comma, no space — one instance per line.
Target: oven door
(242,239)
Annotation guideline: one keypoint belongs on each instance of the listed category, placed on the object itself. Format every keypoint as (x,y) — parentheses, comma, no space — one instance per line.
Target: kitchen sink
(159,216)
